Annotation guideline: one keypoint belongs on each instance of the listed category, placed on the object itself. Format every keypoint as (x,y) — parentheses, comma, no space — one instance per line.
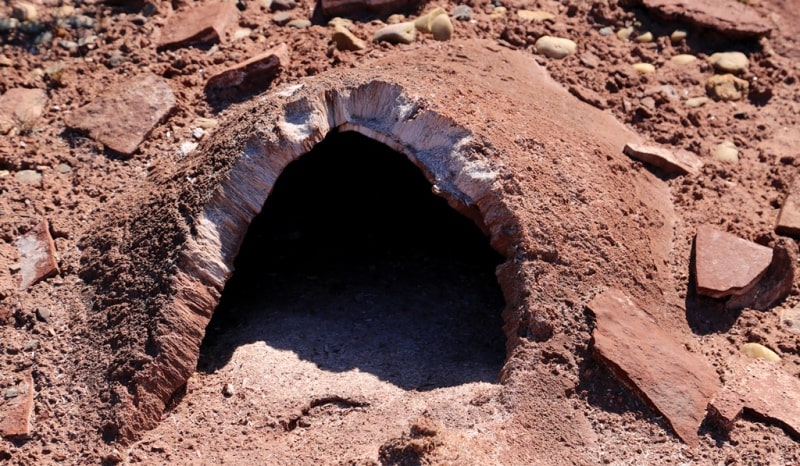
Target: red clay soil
(296,368)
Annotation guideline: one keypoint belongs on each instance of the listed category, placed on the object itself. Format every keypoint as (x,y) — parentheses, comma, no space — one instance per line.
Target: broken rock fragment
(37,250)
(789,216)
(764,388)
(731,18)
(259,69)
(123,115)
(203,24)
(675,382)
(777,281)
(727,265)
(680,161)
(16,409)
(20,108)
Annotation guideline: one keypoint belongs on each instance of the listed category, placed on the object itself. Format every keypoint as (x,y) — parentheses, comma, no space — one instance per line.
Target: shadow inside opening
(354,263)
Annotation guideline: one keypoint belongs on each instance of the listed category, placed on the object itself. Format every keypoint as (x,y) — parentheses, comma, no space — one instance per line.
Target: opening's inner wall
(355,263)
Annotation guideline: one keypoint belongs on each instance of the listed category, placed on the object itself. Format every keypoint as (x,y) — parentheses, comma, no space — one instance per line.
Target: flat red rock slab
(764,388)
(777,281)
(260,68)
(19,106)
(125,114)
(727,265)
(203,24)
(789,216)
(676,383)
(16,413)
(728,17)
(37,250)
(680,161)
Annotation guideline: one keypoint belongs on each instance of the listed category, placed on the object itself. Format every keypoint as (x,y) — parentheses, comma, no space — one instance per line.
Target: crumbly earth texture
(229,411)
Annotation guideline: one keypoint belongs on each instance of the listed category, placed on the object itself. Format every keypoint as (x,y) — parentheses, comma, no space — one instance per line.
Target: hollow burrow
(540,173)
(354,264)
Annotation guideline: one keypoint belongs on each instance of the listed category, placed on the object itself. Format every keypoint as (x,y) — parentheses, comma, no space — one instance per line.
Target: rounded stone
(462,13)
(536,15)
(425,22)
(401,33)
(442,28)
(299,23)
(346,40)
(644,68)
(29,177)
(683,59)
(695,102)
(625,33)
(729,62)
(758,351)
(645,38)
(726,151)
(555,47)
(677,36)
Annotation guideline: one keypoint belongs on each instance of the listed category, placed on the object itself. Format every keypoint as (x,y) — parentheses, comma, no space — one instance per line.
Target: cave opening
(354,264)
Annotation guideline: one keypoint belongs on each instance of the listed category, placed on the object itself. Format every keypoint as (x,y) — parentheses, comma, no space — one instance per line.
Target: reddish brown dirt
(297,415)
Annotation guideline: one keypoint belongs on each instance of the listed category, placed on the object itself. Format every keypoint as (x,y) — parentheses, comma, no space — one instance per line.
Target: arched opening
(355,264)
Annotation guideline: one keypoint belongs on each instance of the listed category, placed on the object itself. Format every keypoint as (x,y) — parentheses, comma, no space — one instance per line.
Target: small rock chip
(20,108)
(16,414)
(124,114)
(727,265)
(462,13)
(789,215)
(758,351)
(625,33)
(228,390)
(555,47)
(764,388)
(43,314)
(499,12)
(729,62)
(677,383)
(677,36)
(343,22)
(680,161)
(695,102)
(282,18)
(346,40)
(299,23)
(790,320)
(242,33)
(63,168)
(258,69)
(396,18)
(645,38)
(29,177)
(683,59)
(644,68)
(726,87)
(424,22)
(24,11)
(401,33)
(442,28)
(535,15)
(31,345)
(37,250)
(726,151)
(202,24)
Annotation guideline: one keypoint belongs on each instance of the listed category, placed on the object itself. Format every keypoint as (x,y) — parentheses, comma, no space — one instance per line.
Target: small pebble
(8,24)
(537,15)
(396,18)
(606,31)
(677,36)
(683,59)
(24,11)
(695,102)
(726,151)
(644,68)
(425,22)
(625,33)
(30,177)
(499,12)
(81,22)
(228,390)
(198,133)
(5,61)
(790,320)
(726,87)
(31,345)
(442,28)
(343,22)
(64,11)
(299,23)
(757,351)
(555,47)
(729,62)
(282,18)
(63,168)
(401,33)
(11,393)
(462,13)
(645,38)
(43,314)
(241,33)
(346,40)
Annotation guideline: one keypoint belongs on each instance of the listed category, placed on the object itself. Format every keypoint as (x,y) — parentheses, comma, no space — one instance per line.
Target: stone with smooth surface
(260,68)
(680,161)
(675,382)
(726,87)
(776,283)
(123,115)
(764,388)
(644,68)
(424,22)
(759,351)
(727,265)
(442,28)
(20,108)
(37,250)
(695,102)
(726,151)
(683,59)
(789,216)
(16,413)
(202,24)
(729,62)
(400,33)
(537,15)
(346,40)
(730,18)
(555,47)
